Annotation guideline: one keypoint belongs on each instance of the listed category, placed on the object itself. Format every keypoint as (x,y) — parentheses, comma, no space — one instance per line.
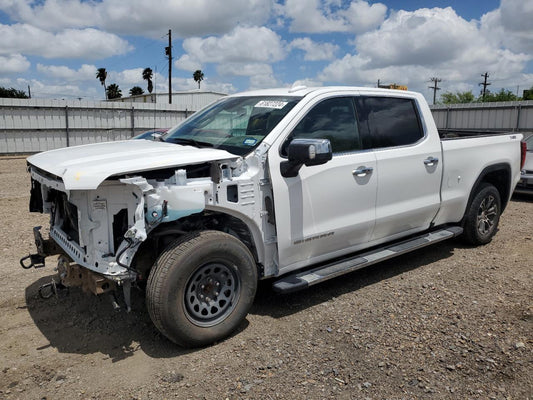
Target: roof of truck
(304,90)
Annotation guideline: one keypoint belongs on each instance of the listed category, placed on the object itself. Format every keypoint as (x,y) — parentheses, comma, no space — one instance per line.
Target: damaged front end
(97,232)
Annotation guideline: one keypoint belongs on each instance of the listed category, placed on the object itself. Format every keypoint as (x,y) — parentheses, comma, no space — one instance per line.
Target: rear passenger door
(408,167)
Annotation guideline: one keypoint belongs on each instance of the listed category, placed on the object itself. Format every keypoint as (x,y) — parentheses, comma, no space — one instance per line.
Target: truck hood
(86,167)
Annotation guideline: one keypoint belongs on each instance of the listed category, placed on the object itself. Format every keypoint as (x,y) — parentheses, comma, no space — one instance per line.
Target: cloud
(410,47)
(40,89)
(362,17)
(314,51)
(13,63)
(316,16)
(263,81)
(129,76)
(229,69)
(423,37)
(510,25)
(245,51)
(139,17)
(243,44)
(52,15)
(187,63)
(70,43)
(261,74)
(85,73)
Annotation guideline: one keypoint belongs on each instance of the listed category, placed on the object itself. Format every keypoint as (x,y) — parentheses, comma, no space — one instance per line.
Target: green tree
(458,97)
(13,93)
(101,75)
(502,95)
(198,76)
(147,76)
(136,91)
(113,92)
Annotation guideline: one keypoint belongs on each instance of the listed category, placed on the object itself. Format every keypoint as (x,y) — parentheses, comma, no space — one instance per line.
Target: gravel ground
(445,322)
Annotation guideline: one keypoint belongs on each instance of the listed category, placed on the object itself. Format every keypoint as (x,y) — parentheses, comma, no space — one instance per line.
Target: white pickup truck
(299,184)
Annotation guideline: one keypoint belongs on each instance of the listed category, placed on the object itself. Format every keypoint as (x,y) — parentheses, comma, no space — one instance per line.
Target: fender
(500,176)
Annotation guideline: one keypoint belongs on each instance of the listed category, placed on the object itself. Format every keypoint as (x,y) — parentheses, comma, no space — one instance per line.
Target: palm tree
(198,76)
(147,76)
(101,75)
(136,91)
(114,92)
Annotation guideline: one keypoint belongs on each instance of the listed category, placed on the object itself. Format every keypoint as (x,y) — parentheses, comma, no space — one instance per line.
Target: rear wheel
(201,288)
(483,216)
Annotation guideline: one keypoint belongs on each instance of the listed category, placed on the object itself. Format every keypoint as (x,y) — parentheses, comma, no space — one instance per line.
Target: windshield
(235,124)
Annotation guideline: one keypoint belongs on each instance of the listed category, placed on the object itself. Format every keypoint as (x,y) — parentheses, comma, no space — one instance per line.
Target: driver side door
(326,210)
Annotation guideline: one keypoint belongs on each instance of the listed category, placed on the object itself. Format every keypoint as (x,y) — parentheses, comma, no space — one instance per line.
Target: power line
(435,81)
(484,84)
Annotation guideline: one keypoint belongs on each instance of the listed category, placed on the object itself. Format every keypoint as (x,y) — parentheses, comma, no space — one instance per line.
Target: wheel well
(166,233)
(498,175)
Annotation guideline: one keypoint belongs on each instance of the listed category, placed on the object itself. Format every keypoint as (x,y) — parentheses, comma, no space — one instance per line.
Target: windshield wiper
(188,141)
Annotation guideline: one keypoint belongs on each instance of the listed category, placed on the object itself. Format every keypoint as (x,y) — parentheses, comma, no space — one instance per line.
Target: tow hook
(35,261)
(48,290)
(45,248)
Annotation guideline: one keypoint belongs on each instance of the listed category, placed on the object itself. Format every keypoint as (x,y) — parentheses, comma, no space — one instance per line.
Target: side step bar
(302,280)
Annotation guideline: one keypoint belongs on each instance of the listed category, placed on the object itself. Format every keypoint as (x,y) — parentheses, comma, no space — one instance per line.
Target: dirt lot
(449,321)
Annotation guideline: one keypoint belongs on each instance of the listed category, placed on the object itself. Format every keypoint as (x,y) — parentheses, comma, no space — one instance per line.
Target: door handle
(362,171)
(431,161)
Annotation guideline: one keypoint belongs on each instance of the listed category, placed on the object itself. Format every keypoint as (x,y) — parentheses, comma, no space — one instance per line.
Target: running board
(302,280)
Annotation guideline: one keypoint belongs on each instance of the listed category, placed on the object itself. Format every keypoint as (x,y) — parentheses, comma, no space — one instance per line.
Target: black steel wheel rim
(211,294)
(487,215)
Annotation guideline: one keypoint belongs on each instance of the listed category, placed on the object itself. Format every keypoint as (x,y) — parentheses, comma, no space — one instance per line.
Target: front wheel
(201,288)
(483,216)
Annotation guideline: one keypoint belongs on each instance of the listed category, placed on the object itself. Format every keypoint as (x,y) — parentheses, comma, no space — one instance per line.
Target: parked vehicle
(302,184)
(151,135)
(525,184)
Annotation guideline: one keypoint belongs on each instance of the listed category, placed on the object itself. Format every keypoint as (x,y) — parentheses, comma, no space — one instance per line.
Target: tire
(201,288)
(483,215)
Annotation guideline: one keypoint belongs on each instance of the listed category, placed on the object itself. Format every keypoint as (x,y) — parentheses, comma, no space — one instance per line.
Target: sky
(56,46)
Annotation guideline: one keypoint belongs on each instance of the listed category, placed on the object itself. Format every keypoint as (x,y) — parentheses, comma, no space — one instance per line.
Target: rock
(520,345)
(367,384)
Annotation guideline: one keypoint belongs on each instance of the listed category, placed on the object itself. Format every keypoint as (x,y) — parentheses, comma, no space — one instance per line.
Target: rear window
(388,121)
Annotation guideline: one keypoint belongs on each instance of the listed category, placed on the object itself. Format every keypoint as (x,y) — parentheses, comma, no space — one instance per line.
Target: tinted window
(332,119)
(388,121)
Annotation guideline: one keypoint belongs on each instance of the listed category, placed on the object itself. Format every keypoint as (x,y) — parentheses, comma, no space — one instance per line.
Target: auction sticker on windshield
(278,105)
(249,142)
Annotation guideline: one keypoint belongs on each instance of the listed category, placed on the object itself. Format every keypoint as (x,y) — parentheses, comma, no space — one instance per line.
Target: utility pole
(484,84)
(29,91)
(435,87)
(168,52)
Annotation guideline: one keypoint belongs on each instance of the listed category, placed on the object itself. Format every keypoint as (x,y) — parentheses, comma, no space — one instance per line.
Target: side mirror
(306,152)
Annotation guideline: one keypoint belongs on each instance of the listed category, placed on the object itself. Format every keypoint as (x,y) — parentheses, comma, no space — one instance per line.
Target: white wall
(32,125)
(509,115)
